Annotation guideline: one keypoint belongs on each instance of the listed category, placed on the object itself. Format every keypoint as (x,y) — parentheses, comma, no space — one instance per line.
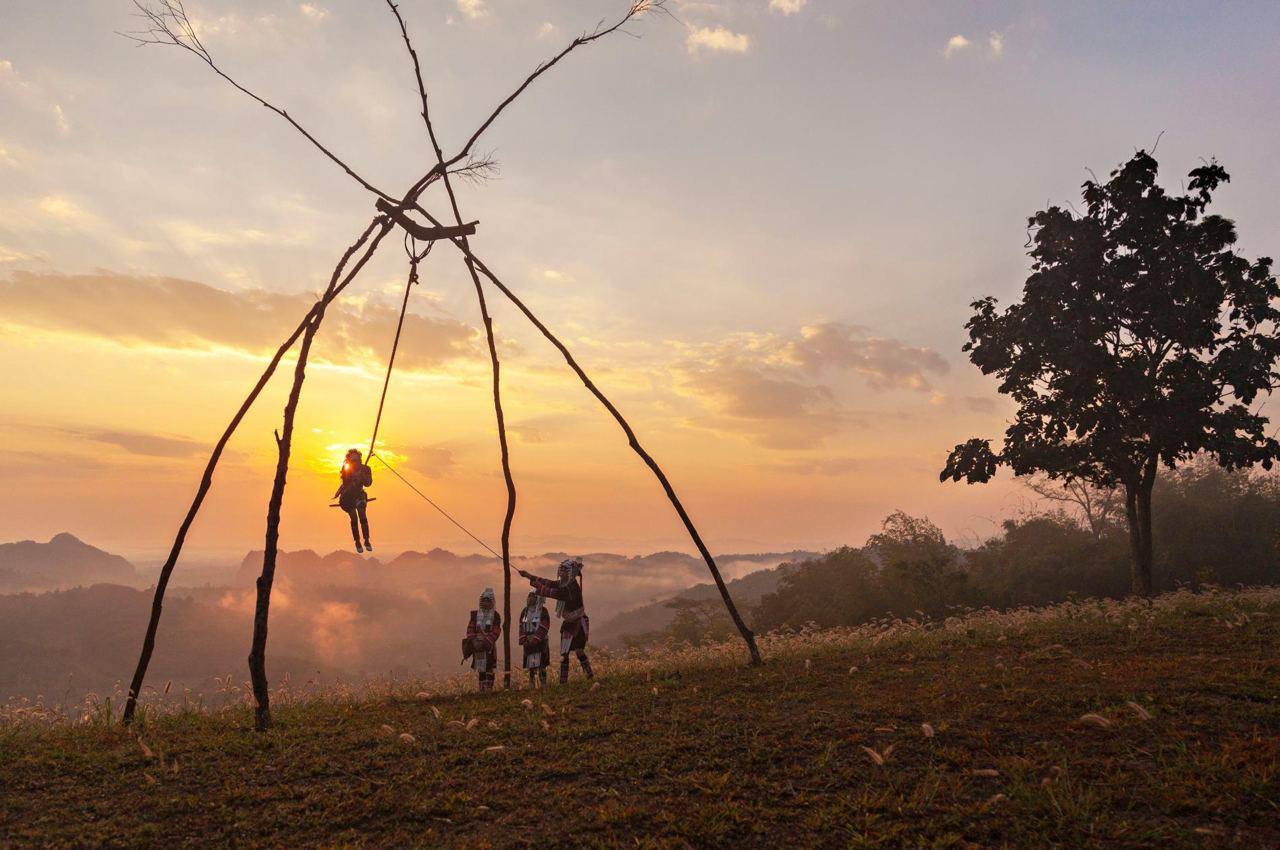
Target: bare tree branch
(168,24)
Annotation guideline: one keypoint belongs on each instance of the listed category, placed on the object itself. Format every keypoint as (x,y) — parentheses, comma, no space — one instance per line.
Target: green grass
(700,751)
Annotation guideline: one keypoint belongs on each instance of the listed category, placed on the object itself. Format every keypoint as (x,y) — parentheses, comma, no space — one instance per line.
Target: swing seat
(336,505)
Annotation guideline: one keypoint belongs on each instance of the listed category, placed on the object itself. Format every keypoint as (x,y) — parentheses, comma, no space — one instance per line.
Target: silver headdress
(484,615)
(570,568)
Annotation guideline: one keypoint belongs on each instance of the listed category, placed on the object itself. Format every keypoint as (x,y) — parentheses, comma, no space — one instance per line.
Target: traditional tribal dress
(535,624)
(483,631)
(574,623)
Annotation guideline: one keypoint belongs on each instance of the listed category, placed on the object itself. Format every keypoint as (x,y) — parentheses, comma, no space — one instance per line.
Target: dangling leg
(586,665)
(364,526)
(355,528)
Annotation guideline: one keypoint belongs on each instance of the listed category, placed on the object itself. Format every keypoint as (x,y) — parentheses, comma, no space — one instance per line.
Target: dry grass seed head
(1096,720)
(1142,713)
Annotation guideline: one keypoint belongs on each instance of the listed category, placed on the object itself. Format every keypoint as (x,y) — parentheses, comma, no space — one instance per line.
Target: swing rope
(415,257)
(441,510)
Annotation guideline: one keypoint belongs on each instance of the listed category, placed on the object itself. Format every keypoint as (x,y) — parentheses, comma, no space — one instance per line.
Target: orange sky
(759,227)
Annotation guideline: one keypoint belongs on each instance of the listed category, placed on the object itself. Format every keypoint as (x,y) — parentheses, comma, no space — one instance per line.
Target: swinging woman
(356,476)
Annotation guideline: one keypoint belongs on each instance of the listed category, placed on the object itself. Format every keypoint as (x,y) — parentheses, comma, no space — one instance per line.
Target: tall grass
(1135,617)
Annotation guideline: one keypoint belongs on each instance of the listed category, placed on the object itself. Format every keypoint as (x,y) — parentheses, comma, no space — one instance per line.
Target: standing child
(535,623)
(566,589)
(481,643)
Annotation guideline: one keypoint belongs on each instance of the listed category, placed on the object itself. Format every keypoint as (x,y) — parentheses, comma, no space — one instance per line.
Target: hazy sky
(759,226)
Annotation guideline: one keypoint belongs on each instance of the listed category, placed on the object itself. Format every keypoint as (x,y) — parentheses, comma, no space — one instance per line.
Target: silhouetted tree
(1141,339)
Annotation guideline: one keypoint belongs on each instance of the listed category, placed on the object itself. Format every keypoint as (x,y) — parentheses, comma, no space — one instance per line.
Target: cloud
(315,13)
(430,461)
(473,9)
(184,315)
(885,363)
(545,29)
(147,445)
(955,44)
(995,44)
(787,7)
(32,96)
(192,235)
(556,275)
(9,255)
(716,39)
(768,386)
(64,210)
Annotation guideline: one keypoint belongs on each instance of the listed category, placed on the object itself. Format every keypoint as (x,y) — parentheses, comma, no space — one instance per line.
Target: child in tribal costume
(566,589)
(481,642)
(535,624)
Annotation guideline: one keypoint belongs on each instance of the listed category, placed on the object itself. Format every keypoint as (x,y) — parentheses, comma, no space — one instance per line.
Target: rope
(414,258)
(427,499)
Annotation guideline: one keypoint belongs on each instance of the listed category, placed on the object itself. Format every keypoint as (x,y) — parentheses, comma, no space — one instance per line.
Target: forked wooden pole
(206,481)
(495,364)
(284,447)
(747,635)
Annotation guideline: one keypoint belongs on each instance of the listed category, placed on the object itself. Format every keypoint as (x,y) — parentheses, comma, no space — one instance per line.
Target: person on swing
(535,624)
(356,476)
(566,589)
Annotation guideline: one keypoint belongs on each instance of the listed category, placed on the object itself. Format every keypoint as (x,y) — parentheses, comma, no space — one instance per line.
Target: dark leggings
(359,512)
(582,659)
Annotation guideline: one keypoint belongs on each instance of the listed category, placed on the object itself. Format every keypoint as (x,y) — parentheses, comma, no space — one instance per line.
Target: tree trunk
(206,480)
(1137,503)
(284,445)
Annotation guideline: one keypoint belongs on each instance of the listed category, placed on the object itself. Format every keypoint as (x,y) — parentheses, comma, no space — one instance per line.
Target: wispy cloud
(787,7)
(545,29)
(147,445)
(959,43)
(716,39)
(312,11)
(955,44)
(32,96)
(473,9)
(770,386)
(184,315)
(995,44)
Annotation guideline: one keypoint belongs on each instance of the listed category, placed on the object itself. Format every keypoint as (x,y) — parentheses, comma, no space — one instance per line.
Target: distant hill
(63,562)
(331,614)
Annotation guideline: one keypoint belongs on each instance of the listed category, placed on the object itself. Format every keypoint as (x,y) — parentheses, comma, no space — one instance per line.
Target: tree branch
(169,25)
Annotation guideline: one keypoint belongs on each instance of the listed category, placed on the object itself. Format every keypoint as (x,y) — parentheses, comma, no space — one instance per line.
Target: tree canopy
(1142,338)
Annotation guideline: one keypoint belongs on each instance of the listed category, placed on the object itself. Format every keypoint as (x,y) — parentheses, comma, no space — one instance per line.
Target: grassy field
(1114,724)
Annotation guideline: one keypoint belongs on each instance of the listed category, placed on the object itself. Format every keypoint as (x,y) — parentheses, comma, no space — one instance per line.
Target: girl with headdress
(535,624)
(566,589)
(481,642)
